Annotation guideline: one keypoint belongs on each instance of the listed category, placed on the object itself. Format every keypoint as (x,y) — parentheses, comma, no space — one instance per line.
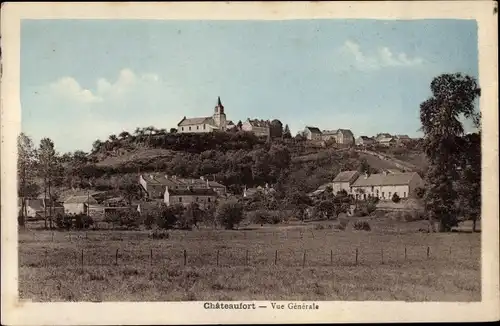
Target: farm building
(385,185)
(365,141)
(387,141)
(206,198)
(79,204)
(153,185)
(37,207)
(344,180)
(312,133)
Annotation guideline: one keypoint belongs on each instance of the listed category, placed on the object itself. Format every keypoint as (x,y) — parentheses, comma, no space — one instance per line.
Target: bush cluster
(362,226)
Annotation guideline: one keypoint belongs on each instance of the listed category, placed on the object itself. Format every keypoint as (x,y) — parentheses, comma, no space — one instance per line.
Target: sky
(83,80)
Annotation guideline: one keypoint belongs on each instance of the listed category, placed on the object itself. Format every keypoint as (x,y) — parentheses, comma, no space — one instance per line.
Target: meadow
(286,262)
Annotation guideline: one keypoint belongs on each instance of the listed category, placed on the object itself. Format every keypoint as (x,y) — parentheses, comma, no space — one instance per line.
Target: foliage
(419,192)
(395,198)
(25,172)
(276,129)
(361,226)
(229,214)
(158,234)
(82,221)
(263,216)
(64,221)
(453,96)
(169,216)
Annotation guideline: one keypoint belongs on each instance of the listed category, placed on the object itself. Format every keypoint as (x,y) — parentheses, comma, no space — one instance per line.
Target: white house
(205,198)
(261,128)
(385,185)
(364,141)
(79,204)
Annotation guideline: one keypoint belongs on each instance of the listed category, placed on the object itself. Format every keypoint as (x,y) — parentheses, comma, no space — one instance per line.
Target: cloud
(382,58)
(70,89)
(80,115)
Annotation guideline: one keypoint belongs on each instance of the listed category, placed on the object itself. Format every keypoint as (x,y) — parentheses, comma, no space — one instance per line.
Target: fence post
(116,257)
(52,236)
(356,256)
(304,259)
(428,251)
(151,256)
(405,253)
(217,257)
(185,257)
(331,257)
(382,255)
(246,258)
(449,253)
(82,258)
(275,257)
(312,233)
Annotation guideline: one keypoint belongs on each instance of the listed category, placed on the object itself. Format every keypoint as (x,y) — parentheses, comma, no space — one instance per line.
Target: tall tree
(286,133)
(453,97)
(47,168)
(239,125)
(25,167)
(276,129)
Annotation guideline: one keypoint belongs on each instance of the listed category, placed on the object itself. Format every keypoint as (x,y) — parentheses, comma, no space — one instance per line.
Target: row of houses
(339,136)
(383,139)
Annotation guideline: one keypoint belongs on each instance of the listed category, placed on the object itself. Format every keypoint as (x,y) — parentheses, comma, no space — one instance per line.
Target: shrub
(159,234)
(339,227)
(64,221)
(362,226)
(83,221)
(229,214)
(130,219)
(319,227)
(149,219)
(396,198)
(263,216)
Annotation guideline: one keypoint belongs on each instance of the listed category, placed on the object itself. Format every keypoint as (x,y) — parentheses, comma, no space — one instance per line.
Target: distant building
(381,185)
(364,141)
(37,207)
(382,136)
(312,133)
(251,192)
(402,139)
(385,185)
(205,124)
(79,204)
(387,141)
(343,181)
(328,135)
(153,185)
(205,198)
(261,128)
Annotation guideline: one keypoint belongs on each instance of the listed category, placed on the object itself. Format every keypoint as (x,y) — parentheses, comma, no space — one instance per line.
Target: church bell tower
(219,115)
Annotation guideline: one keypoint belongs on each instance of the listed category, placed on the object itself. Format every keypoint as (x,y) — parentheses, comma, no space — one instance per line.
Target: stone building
(217,121)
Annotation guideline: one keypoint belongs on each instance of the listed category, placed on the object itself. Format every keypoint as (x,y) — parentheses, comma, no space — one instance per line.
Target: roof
(386,140)
(259,123)
(230,122)
(171,181)
(403,137)
(345,132)
(345,176)
(196,121)
(314,130)
(192,192)
(37,203)
(385,180)
(330,132)
(366,138)
(80,200)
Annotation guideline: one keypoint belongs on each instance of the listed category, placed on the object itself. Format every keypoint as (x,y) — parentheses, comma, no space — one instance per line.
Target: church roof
(196,121)
(314,130)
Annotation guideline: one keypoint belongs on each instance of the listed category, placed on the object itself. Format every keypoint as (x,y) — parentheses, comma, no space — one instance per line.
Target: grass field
(265,263)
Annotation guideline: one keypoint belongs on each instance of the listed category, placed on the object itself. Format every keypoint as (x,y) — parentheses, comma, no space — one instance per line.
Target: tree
(300,201)
(276,129)
(229,214)
(239,125)
(173,130)
(25,167)
(453,96)
(124,135)
(286,133)
(396,198)
(47,169)
(469,184)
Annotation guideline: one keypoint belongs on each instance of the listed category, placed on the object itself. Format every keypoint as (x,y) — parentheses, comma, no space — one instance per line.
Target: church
(217,121)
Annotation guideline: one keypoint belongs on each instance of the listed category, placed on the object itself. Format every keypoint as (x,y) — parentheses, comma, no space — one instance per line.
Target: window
(404,194)
(204,126)
(180,199)
(389,194)
(197,127)
(189,128)
(182,128)
(373,188)
(196,199)
(208,199)
(383,194)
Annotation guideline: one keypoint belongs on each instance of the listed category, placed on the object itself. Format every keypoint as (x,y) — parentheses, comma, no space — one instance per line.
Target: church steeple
(219,108)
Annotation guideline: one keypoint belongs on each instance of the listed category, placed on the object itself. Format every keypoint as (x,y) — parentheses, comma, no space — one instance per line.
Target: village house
(205,198)
(205,124)
(345,137)
(38,207)
(382,136)
(381,185)
(328,135)
(312,133)
(387,141)
(344,180)
(79,204)
(364,141)
(402,139)
(153,185)
(260,128)
(251,192)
